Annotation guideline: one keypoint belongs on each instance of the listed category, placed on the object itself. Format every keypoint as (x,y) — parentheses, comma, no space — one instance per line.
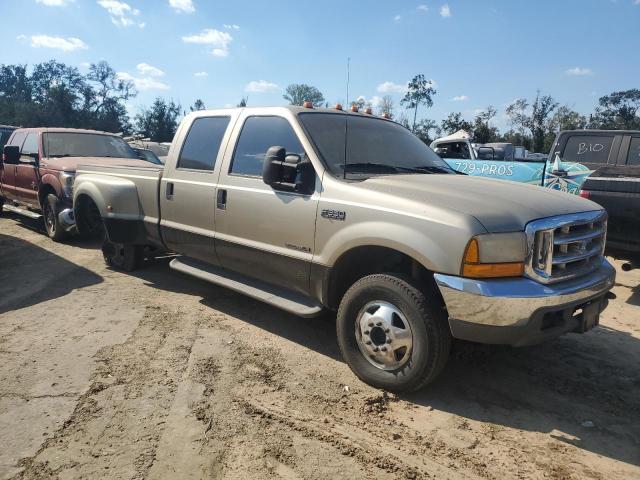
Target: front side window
(69,144)
(202,144)
(30,144)
(257,136)
(18,139)
(355,147)
(633,158)
(587,149)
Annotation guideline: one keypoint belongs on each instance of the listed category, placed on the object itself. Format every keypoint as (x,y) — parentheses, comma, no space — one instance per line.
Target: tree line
(57,95)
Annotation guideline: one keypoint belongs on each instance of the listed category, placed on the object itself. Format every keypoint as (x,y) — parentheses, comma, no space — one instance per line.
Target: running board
(22,211)
(283,299)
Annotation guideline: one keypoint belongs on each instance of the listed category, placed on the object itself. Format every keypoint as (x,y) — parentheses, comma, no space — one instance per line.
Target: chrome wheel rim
(384,335)
(49,218)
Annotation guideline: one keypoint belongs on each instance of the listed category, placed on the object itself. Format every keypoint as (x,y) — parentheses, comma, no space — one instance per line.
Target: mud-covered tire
(122,256)
(52,225)
(431,337)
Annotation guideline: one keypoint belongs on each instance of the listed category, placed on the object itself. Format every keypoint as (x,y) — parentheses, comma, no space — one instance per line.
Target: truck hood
(500,205)
(69,164)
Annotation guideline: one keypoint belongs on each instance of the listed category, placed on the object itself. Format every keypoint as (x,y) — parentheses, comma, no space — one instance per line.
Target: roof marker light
(368,111)
(386,115)
(307,105)
(354,108)
(338,106)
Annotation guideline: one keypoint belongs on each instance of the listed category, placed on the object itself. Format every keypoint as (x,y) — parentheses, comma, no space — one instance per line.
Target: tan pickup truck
(321,209)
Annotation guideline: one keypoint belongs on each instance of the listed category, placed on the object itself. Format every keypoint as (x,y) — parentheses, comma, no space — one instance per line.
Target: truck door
(264,233)
(9,170)
(27,171)
(188,188)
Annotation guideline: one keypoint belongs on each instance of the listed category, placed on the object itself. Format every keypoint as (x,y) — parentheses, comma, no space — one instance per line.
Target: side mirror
(486,153)
(11,154)
(287,172)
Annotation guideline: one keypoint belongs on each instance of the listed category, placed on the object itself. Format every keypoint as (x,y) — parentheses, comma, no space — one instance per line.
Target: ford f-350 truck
(321,209)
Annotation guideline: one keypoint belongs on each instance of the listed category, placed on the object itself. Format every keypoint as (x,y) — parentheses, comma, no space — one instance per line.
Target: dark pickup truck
(614,158)
(38,166)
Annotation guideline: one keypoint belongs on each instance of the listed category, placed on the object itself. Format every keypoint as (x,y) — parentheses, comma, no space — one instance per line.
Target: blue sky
(478,52)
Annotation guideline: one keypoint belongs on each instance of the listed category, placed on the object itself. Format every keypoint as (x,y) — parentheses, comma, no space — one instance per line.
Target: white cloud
(445,11)
(459,98)
(201,74)
(397,18)
(232,26)
(85,65)
(423,8)
(143,83)
(261,86)
(215,38)
(182,6)
(149,70)
(122,14)
(55,3)
(68,44)
(390,87)
(578,71)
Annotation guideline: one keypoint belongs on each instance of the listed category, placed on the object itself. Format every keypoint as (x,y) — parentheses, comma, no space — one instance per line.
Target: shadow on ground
(551,388)
(30,274)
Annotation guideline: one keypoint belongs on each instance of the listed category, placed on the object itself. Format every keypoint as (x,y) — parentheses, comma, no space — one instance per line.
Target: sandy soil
(157,375)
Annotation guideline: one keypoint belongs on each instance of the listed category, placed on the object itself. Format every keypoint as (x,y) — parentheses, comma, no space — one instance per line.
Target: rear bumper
(521,311)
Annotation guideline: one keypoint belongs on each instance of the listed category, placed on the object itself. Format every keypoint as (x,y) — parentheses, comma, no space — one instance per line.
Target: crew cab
(38,168)
(321,209)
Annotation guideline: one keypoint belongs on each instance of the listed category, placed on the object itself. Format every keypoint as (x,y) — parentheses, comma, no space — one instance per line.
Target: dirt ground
(157,375)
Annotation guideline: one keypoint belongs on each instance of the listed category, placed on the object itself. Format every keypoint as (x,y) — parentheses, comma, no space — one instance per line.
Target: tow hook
(67,219)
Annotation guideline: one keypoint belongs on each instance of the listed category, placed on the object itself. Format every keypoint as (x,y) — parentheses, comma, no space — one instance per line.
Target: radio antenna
(348,65)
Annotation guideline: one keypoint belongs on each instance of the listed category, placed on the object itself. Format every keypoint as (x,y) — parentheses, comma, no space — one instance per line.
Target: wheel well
(85,214)
(44,191)
(362,261)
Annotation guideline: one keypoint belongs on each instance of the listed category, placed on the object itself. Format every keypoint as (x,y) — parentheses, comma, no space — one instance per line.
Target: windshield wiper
(60,155)
(429,169)
(368,167)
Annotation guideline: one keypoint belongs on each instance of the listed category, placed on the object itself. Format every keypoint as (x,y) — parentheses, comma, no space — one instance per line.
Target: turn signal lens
(472,268)
(585,193)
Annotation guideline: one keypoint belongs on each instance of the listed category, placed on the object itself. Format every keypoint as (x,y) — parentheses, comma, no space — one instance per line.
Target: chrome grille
(566,246)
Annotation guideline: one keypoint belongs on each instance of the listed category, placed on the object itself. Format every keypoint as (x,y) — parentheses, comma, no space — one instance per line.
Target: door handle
(169,191)
(221,199)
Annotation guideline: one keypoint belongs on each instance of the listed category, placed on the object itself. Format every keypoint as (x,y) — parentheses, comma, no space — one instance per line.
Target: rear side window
(587,149)
(258,134)
(634,152)
(30,145)
(202,144)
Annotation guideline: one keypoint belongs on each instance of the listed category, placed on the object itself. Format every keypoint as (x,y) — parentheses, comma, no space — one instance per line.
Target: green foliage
(58,95)
(420,91)
(197,105)
(243,102)
(454,122)
(483,132)
(619,110)
(423,130)
(298,93)
(160,121)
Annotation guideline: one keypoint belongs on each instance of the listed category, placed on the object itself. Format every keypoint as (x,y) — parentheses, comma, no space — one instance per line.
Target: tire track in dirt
(116,425)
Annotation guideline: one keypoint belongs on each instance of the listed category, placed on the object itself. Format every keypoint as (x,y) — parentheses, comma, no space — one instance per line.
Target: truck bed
(129,194)
(618,191)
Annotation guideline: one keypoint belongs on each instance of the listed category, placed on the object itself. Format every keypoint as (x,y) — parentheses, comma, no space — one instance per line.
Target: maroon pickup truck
(38,167)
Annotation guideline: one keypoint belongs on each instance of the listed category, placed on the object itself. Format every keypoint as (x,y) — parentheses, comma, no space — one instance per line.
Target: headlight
(495,255)
(66,179)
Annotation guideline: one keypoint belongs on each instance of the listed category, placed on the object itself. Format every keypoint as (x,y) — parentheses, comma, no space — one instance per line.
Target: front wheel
(52,224)
(391,335)
(122,256)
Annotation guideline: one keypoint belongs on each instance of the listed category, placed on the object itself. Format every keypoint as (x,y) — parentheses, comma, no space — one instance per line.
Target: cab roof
(64,130)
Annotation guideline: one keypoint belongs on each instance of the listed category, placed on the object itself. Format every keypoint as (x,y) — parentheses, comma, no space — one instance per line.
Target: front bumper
(521,311)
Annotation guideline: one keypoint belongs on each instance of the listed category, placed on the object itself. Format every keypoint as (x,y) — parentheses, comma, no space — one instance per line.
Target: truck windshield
(70,144)
(355,146)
